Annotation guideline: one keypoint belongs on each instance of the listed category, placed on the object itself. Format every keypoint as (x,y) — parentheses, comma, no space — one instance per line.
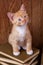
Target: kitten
(20,32)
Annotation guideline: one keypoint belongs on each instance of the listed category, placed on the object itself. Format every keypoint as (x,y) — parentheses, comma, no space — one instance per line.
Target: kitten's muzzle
(22,23)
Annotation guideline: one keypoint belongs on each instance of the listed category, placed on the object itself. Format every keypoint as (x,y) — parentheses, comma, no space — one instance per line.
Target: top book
(6,50)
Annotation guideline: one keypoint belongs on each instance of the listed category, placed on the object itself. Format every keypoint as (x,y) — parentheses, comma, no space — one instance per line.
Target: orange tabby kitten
(20,32)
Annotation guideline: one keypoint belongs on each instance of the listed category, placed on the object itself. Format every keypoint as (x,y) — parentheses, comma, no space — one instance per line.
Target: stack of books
(7,57)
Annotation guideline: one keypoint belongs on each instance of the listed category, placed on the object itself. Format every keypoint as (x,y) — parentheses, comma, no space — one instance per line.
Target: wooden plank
(35,63)
(9,57)
(41,23)
(6,50)
(36,22)
(9,61)
(15,6)
(5,25)
(2,27)
(15,62)
(31,61)
(3,63)
(42,57)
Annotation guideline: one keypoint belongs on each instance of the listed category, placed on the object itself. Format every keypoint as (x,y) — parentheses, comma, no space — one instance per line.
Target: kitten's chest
(21,31)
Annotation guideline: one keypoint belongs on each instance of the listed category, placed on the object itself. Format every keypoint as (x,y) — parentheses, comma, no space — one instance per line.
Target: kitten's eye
(19,19)
(25,16)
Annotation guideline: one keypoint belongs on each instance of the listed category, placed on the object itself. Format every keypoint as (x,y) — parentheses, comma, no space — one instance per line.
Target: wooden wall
(35,11)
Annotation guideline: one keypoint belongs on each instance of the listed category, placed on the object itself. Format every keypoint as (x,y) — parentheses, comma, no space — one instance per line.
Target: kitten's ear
(22,7)
(10,16)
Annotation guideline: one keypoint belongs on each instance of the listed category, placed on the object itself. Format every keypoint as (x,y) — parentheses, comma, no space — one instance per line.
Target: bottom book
(4,63)
(32,61)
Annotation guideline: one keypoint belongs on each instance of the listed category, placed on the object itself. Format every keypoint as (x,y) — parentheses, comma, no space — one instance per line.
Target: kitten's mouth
(22,24)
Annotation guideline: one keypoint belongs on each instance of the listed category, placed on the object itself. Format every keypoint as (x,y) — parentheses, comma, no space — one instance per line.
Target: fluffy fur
(20,32)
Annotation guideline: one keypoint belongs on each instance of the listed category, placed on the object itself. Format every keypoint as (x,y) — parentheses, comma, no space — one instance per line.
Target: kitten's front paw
(30,52)
(16,53)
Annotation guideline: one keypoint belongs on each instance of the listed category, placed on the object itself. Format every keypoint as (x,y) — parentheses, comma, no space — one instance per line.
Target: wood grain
(34,9)
(5,25)
(3,63)
(36,22)
(41,23)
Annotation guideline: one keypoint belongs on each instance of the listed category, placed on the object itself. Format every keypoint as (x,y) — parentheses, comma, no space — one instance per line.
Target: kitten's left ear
(10,16)
(22,7)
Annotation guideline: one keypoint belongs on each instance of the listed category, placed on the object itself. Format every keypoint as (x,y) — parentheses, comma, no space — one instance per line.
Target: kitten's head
(19,18)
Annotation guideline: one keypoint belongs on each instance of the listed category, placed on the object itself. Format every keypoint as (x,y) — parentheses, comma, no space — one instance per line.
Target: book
(9,62)
(3,63)
(6,50)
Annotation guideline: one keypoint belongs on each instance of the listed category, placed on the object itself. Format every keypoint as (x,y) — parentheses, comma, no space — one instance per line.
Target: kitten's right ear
(10,16)
(22,7)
